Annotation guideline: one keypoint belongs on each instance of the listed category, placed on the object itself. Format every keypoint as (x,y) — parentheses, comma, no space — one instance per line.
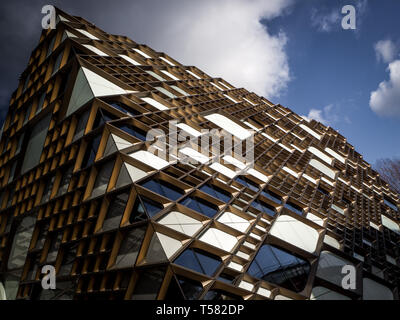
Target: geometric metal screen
(103,175)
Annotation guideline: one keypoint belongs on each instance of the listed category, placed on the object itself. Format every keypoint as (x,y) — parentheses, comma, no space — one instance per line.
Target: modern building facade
(119,216)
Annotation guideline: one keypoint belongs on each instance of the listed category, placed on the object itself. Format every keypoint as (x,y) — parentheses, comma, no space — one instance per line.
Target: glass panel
(148,284)
(40,103)
(191,289)
(21,242)
(35,145)
(115,211)
(198,260)
(57,62)
(272,196)
(295,208)
(133,131)
(264,207)
(151,206)
(91,152)
(200,205)
(130,248)
(163,188)
(248,183)
(216,192)
(65,181)
(138,213)
(47,190)
(102,179)
(80,127)
(124,108)
(280,267)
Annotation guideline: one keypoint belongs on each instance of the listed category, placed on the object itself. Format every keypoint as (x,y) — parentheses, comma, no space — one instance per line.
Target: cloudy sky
(293,52)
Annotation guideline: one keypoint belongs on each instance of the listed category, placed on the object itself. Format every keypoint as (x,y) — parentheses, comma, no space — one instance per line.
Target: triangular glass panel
(161,248)
(81,93)
(102,87)
(138,212)
(130,248)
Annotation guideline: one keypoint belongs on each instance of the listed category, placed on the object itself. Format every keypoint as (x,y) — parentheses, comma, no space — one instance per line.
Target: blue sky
(293,52)
(338,69)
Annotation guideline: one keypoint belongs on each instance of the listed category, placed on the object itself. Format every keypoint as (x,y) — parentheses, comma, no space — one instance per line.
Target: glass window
(66,178)
(248,183)
(91,151)
(11,285)
(54,246)
(181,223)
(81,126)
(133,131)
(102,179)
(68,260)
(216,192)
(280,267)
(148,284)
(264,207)
(163,188)
(200,205)
(330,267)
(294,207)
(124,108)
(21,242)
(35,145)
(144,206)
(182,289)
(40,103)
(47,189)
(115,211)
(271,195)
(57,62)
(130,247)
(198,260)
(27,114)
(390,204)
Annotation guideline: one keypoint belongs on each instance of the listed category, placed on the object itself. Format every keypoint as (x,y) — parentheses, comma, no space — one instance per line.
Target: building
(121,217)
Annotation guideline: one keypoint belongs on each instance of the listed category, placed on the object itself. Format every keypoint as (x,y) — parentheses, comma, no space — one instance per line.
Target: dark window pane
(191,289)
(124,108)
(133,131)
(163,188)
(91,152)
(264,207)
(272,196)
(199,261)
(201,206)
(148,284)
(248,183)
(151,206)
(216,192)
(295,208)
(115,211)
(280,267)
(138,213)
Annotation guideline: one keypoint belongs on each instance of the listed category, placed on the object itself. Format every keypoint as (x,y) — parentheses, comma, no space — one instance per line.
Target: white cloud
(385,51)
(385,101)
(223,38)
(326,115)
(325,21)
